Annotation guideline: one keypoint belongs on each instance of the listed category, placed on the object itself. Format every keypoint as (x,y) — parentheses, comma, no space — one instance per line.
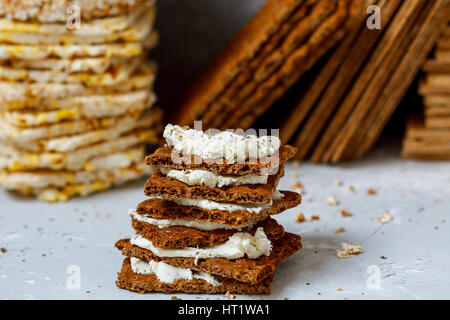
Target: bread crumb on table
(385,218)
(371,191)
(346,213)
(331,200)
(230,296)
(340,230)
(300,218)
(347,249)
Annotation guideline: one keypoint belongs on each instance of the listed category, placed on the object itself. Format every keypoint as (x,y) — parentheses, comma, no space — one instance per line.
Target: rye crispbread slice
(141,283)
(181,237)
(165,158)
(228,64)
(243,269)
(165,209)
(323,37)
(172,189)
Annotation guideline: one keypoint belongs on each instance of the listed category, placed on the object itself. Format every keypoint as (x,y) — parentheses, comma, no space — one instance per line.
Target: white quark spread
(230,207)
(234,148)
(212,205)
(213,180)
(167,273)
(239,245)
(199,225)
(277,195)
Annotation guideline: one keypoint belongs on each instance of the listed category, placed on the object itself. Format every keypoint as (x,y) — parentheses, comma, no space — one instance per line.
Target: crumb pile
(207,226)
(76,95)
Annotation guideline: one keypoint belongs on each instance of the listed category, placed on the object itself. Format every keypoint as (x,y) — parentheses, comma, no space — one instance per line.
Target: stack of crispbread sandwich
(428,136)
(75,95)
(207,227)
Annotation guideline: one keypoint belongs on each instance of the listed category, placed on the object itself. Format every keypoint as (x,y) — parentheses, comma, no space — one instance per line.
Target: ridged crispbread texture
(150,283)
(164,209)
(163,158)
(244,269)
(181,237)
(266,57)
(170,188)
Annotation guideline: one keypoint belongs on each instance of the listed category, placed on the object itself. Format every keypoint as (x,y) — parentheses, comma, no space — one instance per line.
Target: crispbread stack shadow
(428,135)
(76,96)
(207,226)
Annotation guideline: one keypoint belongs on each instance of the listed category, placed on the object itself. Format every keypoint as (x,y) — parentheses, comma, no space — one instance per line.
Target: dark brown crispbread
(247,44)
(141,283)
(169,188)
(164,158)
(181,237)
(244,269)
(165,209)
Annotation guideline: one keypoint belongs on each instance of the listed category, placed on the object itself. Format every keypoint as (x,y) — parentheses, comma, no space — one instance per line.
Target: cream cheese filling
(169,274)
(230,207)
(239,245)
(232,147)
(199,225)
(213,180)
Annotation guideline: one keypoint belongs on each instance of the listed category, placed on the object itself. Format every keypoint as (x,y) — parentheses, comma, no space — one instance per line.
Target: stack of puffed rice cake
(75,98)
(207,226)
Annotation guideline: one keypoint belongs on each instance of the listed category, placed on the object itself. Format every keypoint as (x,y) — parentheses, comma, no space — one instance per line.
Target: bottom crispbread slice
(166,209)
(170,188)
(143,283)
(243,269)
(180,237)
(84,189)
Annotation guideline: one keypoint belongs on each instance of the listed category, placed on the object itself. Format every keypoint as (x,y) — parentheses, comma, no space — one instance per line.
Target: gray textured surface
(43,240)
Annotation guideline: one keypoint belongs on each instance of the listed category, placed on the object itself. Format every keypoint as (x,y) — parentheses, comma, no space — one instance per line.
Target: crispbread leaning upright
(428,135)
(207,226)
(76,102)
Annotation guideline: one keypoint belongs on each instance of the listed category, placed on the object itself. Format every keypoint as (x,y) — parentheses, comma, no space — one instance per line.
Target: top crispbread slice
(243,269)
(165,158)
(165,209)
(56,10)
(170,188)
